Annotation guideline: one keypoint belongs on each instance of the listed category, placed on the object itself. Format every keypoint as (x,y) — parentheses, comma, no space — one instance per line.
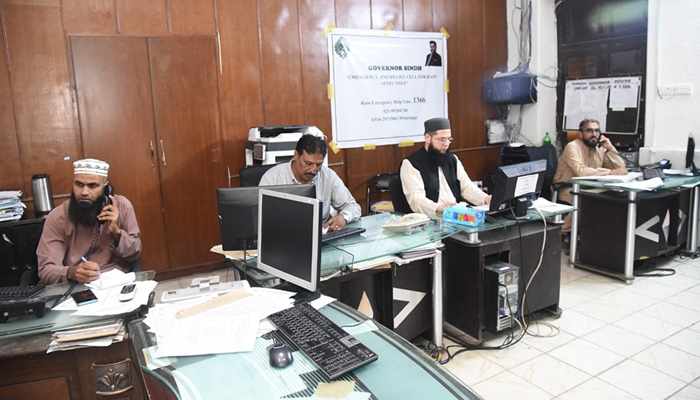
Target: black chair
(549,153)
(378,184)
(251,175)
(397,196)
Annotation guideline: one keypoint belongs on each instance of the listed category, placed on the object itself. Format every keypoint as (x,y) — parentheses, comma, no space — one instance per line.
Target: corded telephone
(107,191)
(407,223)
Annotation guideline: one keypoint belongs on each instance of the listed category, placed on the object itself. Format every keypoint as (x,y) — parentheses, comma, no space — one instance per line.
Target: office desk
(507,241)
(28,372)
(373,248)
(401,372)
(668,219)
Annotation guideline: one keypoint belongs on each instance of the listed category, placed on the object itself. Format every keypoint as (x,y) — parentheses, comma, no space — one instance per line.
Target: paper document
(609,178)
(649,184)
(196,336)
(545,205)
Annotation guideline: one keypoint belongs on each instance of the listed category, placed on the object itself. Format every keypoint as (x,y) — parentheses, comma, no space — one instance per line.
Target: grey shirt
(330,189)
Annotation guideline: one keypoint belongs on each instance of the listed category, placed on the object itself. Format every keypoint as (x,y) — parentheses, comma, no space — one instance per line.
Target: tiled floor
(615,341)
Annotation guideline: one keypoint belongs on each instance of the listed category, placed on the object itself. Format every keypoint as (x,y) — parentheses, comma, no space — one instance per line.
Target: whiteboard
(612,101)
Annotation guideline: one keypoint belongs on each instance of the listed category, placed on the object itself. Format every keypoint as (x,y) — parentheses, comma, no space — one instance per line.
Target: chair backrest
(378,184)
(251,175)
(547,152)
(397,196)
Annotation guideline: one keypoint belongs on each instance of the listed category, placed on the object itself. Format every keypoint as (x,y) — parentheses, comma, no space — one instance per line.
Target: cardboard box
(464,215)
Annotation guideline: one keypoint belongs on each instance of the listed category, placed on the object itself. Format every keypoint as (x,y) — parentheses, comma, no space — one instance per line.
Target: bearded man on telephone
(590,154)
(95,231)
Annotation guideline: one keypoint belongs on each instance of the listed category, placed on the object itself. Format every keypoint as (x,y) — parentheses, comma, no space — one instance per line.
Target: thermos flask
(41,187)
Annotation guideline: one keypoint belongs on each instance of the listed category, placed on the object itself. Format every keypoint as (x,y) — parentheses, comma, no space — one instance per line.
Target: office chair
(397,196)
(251,175)
(378,184)
(549,153)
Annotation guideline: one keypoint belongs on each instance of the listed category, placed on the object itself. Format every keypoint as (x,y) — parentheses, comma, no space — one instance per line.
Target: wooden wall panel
(116,116)
(186,104)
(41,91)
(418,16)
(192,17)
(471,55)
(240,81)
(385,12)
(10,162)
(353,14)
(281,62)
(93,17)
(142,18)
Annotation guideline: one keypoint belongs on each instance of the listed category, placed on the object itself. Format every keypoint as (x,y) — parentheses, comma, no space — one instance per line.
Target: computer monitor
(238,213)
(289,239)
(515,185)
(690,156)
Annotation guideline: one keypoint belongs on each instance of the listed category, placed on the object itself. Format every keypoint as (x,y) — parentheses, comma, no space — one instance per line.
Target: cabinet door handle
(150,145)
(162,150)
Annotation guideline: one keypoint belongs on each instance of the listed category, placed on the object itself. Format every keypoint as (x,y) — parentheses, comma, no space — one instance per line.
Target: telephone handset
(108,191)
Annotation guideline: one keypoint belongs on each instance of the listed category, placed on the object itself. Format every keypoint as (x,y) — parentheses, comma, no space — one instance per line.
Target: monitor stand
(302,295)
(694,170)
(518,209)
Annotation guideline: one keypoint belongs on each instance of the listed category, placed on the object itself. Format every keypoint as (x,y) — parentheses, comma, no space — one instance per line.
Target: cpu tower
(500,295)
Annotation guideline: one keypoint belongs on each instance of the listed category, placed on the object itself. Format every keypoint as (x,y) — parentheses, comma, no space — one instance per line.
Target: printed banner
(384,85)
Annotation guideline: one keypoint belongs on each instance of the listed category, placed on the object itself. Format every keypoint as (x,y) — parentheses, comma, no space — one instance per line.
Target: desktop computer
(500,295)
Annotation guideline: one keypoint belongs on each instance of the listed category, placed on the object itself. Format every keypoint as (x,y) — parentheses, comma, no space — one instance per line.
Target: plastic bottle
(547,140)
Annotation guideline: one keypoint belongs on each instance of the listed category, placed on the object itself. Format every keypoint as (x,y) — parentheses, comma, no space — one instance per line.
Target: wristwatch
(347,217)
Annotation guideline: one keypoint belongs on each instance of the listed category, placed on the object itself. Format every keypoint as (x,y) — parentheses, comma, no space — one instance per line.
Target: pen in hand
(99,275)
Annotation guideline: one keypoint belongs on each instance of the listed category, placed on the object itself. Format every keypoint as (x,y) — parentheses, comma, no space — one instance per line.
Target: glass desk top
(52,319)
(248,375)
(669,182)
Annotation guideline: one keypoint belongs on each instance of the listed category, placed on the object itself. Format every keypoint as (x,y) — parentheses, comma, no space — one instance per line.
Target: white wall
(673,58)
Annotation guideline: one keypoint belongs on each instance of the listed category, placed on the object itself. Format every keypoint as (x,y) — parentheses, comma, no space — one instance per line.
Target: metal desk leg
(630,235)
(692,242)
(573,244)
(437,299)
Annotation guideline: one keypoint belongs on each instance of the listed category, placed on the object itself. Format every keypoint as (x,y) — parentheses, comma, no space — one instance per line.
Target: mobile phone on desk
(84,297)
(127,293)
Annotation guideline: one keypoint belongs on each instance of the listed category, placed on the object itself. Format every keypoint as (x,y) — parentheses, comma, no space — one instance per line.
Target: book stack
(11,207)
(98,334)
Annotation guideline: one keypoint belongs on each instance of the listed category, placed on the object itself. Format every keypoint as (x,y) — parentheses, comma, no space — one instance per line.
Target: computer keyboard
(333,350)
(649,173)
(19,292)
(333,235)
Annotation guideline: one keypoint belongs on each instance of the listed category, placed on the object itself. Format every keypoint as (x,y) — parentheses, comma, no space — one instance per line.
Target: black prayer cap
(436,124)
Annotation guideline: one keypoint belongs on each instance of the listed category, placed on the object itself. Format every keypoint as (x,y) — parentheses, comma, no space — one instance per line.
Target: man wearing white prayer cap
(433,178)
(90,234)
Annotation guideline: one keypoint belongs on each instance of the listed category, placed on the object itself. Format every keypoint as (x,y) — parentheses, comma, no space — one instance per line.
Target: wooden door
(184,75)
(116,118)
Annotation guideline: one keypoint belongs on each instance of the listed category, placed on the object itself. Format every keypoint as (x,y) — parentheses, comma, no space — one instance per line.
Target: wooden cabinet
(149,107)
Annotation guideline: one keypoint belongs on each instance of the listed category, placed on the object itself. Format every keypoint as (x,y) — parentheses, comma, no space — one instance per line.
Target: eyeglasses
(589,130)
(444,140)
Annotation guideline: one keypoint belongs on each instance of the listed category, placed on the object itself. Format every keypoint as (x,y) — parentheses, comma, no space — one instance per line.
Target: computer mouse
(280,355)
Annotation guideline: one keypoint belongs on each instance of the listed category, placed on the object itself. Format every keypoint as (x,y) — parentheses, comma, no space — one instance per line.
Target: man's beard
(82,213)
(436,156)
(591,143)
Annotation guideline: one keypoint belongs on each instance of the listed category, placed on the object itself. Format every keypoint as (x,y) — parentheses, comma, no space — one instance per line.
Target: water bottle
(43,200)
(547,140)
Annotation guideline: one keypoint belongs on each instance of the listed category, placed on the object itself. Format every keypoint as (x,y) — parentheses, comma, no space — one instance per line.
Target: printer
(275,144)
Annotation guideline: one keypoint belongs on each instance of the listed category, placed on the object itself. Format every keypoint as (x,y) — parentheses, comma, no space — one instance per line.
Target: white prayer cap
(91,166)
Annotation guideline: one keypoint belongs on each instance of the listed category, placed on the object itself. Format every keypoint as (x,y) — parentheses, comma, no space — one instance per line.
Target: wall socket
(672,90)
(496,131)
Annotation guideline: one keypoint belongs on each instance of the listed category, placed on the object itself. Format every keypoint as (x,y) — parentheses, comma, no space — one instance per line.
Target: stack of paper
(11,207)
(99,334)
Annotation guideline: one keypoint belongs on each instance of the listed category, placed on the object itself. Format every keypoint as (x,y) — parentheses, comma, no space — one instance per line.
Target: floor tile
(578,324)
(546,343)
(508,386)
(673,313)
(653,289)
(551,374)
(687,393)
(591,286)
(641,381)
(586,356)
(603,310)
(511,356)
(686,299)
(648,326)
(596,389)
(569,298)
(629,299)
(618,340)
(672,361)
(472,368)
(687,340)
